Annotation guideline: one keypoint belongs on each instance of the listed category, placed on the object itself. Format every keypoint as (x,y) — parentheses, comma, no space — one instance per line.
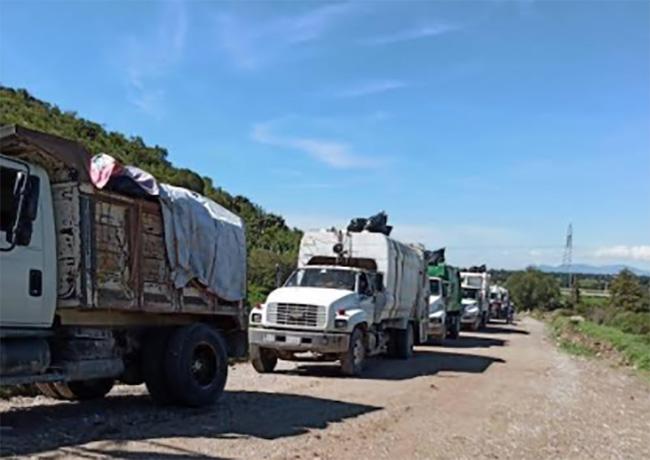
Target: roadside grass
(588,339)
(575,348)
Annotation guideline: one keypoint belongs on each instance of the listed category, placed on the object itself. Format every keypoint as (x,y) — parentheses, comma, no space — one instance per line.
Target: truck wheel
(47,389)
(454,330)
(153,366)
(263,359)
(196,365)
(84,390)
(81,390)
(404,342)
(353,360)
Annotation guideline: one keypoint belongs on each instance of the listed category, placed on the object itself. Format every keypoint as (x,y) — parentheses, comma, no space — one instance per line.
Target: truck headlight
(340,323)
(256,318)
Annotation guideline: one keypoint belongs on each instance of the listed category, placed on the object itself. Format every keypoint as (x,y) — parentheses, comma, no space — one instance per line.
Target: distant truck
(86,290)
(445,308)
(474,292)
(500,306)
(353,295)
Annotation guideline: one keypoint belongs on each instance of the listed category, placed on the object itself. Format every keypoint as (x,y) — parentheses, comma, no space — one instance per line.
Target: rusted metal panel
(68,240)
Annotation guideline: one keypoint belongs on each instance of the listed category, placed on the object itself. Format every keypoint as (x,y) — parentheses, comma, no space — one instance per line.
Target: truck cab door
(26,289)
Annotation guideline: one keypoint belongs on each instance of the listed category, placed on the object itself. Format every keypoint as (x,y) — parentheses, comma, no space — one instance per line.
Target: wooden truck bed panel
(111,253)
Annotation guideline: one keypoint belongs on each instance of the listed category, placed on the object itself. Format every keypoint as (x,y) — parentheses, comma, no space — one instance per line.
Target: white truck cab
(437,308)
(475,299)
(28,280)
(326,302)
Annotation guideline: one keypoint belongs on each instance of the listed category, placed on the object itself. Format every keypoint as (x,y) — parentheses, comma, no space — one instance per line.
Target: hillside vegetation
(270,240)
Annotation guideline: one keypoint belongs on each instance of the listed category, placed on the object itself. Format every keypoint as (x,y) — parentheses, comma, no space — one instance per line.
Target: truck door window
(8,177)
(445,289)
(364,285)
(434,287)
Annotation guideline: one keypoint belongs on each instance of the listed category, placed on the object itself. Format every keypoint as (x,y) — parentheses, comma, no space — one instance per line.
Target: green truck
(444,300)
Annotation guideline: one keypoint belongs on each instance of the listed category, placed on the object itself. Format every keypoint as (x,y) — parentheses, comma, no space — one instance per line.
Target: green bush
(632,323)
(532,289)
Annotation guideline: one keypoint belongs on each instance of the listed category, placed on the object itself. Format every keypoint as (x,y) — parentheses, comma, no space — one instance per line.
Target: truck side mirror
(26,211)
(278,276)
(379,282)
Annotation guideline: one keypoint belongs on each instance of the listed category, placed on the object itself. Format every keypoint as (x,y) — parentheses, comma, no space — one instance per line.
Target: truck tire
(454,330)
(154,348)
(47,389)
(404,342)
(80,390)
(196,365)
(263,359)
(354,359)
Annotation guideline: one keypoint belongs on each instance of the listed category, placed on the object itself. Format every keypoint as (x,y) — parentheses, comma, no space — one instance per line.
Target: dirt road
(504,393)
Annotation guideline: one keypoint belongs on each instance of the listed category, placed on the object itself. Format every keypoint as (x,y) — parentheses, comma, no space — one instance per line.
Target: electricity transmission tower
(568,254)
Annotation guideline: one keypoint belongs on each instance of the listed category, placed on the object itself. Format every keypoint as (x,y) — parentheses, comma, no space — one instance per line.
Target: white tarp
(205,242)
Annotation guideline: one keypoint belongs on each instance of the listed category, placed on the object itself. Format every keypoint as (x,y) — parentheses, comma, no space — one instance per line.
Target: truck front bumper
(437,328)
(469,319)
(299,341)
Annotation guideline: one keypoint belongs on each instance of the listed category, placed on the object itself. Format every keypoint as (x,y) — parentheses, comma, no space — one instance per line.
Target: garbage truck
(475,285)
(353,295)
(444,301)
(104,285)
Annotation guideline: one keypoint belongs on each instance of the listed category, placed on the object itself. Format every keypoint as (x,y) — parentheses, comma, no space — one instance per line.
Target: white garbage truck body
(349,289)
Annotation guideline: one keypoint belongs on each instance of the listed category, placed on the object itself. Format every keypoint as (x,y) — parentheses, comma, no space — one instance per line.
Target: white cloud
(147,59)
(373,87)
(333,153)
(641,252)
(414,33)
(251,44)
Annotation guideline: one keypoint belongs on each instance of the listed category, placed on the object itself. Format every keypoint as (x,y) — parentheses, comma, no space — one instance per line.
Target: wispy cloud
(250,44)
(331,152)
(413,33)
(641,252)
(372,87)
(147,59)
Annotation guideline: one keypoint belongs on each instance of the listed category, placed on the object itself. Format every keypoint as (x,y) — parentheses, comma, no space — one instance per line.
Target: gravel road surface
(504,393)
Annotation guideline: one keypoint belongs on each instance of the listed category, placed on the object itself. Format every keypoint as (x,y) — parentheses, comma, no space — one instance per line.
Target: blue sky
(482,126)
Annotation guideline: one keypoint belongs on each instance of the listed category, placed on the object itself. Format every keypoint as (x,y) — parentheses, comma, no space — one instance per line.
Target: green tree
(627,293)
(533,289)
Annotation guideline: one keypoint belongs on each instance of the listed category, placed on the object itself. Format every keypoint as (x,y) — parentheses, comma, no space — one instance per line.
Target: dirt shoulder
(504,393)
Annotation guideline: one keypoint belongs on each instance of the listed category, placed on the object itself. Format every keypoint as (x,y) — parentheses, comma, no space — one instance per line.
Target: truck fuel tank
(24,356)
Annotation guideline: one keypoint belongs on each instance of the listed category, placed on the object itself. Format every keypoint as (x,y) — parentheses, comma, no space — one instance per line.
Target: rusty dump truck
(94,289)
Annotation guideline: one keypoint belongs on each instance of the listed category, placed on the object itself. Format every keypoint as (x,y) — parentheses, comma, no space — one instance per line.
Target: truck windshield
(470,293)
(331,278)
(434,286)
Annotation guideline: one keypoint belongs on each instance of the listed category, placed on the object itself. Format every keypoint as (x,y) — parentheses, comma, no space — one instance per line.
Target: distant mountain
(592,269)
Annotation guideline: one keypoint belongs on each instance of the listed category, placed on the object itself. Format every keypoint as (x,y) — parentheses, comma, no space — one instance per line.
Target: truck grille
(296,315)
